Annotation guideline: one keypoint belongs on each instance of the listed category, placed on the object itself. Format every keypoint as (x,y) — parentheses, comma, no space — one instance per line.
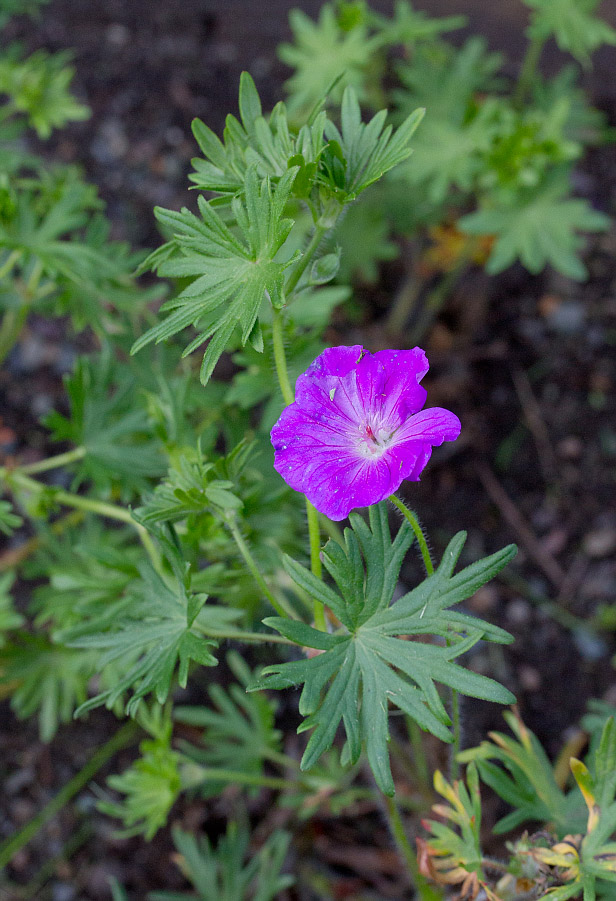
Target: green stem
(419,754)
(528,71)
(197,775)
(13,321)
(65,459)
(280,357)
(10,261)
(403,304)
(282,371)
(455,697)
(123,737)
(281,608)
(238,635)
(437,297)
(308,254)
(419,535)
(406,852)
(315,561)
(454,765)
(11,327)
(17,478)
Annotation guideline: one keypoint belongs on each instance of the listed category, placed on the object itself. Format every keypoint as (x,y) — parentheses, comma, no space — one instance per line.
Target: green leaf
(572,24)
(45,678)
(325,268)
(38,88)
(238,727)
(9,618)
(108,418)
(150,787)
(456,129)
(156,635)
(526,779)
(230,872)
(230,278)
(9,521)
(458,847)
(410,27)
(322,52)
(366,150)
(366,664)
(64,254)
(364,239)
(250,104)
(542,229)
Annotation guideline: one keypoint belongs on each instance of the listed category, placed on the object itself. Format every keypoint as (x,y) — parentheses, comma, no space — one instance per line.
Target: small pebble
(117,35)
(570,448)
(530,678)
(600,542)
(484,600)
(518,611)
(590,645)
(62,891)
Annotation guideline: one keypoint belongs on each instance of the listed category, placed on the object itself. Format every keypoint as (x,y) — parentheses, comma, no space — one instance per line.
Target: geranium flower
(355,431)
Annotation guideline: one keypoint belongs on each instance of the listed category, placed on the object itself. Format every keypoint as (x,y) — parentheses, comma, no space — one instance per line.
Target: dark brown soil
(529,364)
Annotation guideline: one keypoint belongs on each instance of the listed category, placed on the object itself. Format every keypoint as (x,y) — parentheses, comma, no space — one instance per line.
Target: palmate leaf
(369,661)
(269,144)
(361,153)
(109,422)
(409,26)
(231,276)
(543,228)
(44,678)
(158,629)
(151,785)
(526,780)
(322,52)
(54,225)
(38,88)
(238,727)
(9,618)
(573,25)
(456,130)
(230,872)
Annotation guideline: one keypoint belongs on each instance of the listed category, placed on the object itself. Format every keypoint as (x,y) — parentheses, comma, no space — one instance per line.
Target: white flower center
(373,440)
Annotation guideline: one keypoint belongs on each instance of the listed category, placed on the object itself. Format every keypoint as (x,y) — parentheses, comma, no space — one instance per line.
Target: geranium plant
(196,510)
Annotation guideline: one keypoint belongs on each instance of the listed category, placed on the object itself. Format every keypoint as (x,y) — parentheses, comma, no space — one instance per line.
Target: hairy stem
(454,765)
(282,372)
(13,321)
(439,295)
(419,535)
(429,566)
(65,459)
(408,856)
(249,637)
(197,775)
(17,479)
(280,357)
(123,737)
(315,561)
(528,71)
(302,264)
(281,608)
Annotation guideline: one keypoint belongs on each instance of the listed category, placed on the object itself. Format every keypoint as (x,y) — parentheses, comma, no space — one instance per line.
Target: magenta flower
(355,431)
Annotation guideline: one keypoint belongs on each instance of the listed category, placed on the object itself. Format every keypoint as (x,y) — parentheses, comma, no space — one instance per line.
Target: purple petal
(388,383)
(355,431)
(433,426)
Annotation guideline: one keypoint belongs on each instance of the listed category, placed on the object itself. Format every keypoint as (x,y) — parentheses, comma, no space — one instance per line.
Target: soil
(528,363)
